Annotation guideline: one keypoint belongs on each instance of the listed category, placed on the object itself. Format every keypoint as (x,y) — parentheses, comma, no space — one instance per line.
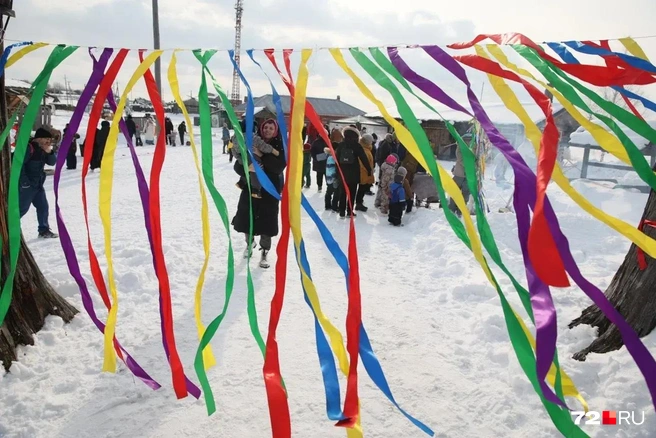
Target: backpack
(347,156)
(397,193)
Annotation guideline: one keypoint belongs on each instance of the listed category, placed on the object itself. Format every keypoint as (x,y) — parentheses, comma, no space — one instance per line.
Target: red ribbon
(642,260)
(542,248)
(94,118)
(354,313)
(179,380)
(593,74)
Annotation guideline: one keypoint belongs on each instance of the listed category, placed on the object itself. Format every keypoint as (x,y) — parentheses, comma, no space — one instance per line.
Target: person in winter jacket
(331,199)
(71,157)
(367,179)
(149,129)
(387,172)
(170,136)
(225,136)
(348,155)
(260,147)
(461,181)
(99,146)
(397,198)
(132,127)
(319,160)
(265,209)
(31,192)
(307,166)
(182,130)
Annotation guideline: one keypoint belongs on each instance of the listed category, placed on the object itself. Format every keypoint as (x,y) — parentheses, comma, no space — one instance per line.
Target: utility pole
(158,66)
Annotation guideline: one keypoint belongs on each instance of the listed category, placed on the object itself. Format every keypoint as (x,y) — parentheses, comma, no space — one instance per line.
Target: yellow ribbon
(634,48)
(534,134)
(452,189)
(105,204)
(606,140)
(13,59)
(208,356)
(294,191)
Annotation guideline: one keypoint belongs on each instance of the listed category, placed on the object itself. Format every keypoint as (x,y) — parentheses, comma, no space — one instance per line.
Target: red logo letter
(609,418)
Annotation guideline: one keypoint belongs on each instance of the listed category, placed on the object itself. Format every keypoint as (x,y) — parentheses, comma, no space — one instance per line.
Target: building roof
(323,106)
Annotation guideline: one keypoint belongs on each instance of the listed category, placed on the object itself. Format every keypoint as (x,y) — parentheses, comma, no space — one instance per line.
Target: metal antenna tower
(239,10)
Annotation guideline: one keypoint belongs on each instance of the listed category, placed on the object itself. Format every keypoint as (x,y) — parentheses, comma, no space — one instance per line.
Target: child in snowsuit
(331,197)
(387,171)
(307,165)
(260,147)
(397,198)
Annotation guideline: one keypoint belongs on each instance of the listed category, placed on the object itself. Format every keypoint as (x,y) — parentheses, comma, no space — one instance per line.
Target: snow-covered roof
(16,83)
(358,119)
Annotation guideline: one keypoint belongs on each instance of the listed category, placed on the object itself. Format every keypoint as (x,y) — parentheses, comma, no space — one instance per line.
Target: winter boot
(248,252)
(47,235)
(264,263)
(361,207)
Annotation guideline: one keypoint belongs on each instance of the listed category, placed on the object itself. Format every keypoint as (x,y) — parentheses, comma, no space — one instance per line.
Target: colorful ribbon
(152,217)
(208,359)
(58,55)
(483,226)
(593,74)
(643,358)
(23,52)
(65,238)
(350,405)
(105,192)
(7,52)
(420,136)
(326,358)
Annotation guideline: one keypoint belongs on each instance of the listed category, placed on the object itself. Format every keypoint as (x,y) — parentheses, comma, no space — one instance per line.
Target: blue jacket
(331,170)
(32,173)
(397,193)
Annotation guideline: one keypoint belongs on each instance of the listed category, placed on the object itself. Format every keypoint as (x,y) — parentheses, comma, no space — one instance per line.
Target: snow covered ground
(435,323)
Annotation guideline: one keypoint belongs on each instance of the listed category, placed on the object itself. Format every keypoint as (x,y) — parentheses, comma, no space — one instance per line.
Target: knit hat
(42,133)
(368,139)
(273,122)
(307,147)
(392,159)
(402,171)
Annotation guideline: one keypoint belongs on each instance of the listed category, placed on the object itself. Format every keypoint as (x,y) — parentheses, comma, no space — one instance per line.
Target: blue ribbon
(633,61)
(367,355)
(326,358)
(7,52)
(561,50)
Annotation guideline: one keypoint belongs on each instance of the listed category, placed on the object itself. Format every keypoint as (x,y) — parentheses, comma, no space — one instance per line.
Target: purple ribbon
(527,198)
(144,194)
(65,238)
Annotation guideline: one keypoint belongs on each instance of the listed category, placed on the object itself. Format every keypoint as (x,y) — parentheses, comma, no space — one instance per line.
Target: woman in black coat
(99,145)
(266,208)
(349,155)
(319,158)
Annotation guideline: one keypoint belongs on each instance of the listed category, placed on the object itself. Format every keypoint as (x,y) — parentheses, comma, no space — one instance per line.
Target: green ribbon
(521,345)
(58,55)
(208,175)
(567,87)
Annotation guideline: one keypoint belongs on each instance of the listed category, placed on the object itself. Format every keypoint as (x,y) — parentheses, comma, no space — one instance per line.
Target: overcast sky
(302,23)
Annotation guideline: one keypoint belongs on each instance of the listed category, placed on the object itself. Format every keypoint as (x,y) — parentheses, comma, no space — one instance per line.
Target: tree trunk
(632,292)
(33,297)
